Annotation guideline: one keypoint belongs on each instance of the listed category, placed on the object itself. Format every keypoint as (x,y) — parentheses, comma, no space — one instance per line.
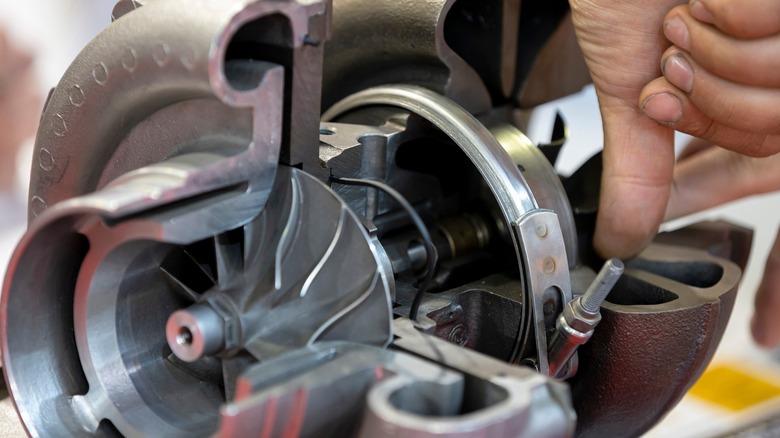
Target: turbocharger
(210,254)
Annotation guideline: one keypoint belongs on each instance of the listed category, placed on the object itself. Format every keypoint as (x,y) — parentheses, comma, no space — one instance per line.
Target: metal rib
(336,237)
(341,313)
(287,235)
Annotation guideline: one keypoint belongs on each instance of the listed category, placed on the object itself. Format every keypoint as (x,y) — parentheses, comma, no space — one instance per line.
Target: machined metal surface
(580,317)
(360,391)
(505,180)
(542,257)
(543,181)
(248,296)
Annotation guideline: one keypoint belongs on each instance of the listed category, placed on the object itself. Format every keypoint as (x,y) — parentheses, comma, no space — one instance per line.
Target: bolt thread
(602,285)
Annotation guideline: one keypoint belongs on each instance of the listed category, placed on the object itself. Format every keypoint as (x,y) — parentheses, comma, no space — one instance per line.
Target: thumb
(636,181)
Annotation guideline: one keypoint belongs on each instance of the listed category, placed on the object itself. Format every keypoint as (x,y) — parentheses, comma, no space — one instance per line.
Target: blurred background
(39,39)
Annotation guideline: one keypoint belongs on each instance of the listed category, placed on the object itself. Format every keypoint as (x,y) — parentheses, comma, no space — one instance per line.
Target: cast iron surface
(661,325)
(169,78)
(660,328)
(481,54)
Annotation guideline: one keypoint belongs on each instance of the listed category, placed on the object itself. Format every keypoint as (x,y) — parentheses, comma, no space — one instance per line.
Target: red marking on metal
(269,419)
(243,390)
(295,423)
(379,373)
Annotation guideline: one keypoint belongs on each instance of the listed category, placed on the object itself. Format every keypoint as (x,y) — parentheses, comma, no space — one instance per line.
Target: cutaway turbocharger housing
(209,254)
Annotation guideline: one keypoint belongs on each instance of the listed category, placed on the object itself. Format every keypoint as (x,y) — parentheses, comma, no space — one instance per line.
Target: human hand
(721,75)
(721,72)
(622,41)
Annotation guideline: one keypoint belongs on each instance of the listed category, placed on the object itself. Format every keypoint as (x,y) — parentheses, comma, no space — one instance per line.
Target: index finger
(636,181)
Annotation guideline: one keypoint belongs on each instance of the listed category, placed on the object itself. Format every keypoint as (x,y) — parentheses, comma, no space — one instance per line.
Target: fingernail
(678,71)
(676,31)
(700,12)
(663,108)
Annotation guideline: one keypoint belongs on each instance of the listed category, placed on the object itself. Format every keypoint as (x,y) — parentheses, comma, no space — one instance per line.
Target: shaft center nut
(197,331)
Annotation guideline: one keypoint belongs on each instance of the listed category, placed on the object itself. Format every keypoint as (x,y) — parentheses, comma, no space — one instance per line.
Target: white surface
(55,30)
